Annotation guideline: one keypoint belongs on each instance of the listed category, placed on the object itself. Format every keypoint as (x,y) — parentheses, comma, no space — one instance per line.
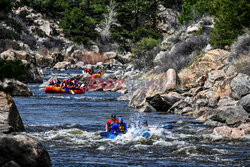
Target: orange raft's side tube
(55,89)
(96,76)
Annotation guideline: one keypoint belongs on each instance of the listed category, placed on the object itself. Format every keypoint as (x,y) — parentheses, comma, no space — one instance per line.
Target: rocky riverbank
(210,90)
(17,149)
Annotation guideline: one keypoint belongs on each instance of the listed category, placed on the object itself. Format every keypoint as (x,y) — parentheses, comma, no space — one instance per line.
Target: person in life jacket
(120,127)
(111,122)
(51,82)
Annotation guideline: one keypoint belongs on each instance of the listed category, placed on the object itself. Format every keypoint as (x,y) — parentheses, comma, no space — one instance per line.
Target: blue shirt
(119,128)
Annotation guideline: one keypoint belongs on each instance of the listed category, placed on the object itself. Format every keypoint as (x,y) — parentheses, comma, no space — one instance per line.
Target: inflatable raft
(55,89)
(96,76)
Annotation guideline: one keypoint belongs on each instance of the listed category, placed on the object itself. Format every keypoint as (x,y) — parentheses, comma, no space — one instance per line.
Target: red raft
(55,89)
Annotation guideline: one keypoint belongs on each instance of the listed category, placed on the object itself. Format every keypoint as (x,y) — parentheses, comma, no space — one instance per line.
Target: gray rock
(62,65)
(245,102)
(138,98)
(125,97)
(227,101)
(159,103)
(230,115)
(106,76)
(23,150)
(147,108)
(15,88)
(70,50)
(10,120)
(240,85)
(79,64)
(110,55)
(11,164)
(201,103)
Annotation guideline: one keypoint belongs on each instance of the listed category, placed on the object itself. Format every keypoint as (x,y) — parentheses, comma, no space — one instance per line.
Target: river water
(69,126)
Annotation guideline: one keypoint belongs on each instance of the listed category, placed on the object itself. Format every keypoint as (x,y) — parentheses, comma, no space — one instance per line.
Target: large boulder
(44,61)
(228,132)
(138,98)
(10,120)
(240,85)
(147,108)
(15,88)
(230,115)
(62,65)
(162,83)
(22,150)
(159,103)
(32,75)
(245,103)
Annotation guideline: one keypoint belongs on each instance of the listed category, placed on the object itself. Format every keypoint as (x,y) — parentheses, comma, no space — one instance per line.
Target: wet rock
(240,85)
(245,103)
(138,98)
(23,150)
(230,115)
(62,65)
(10,120)
(147,108)
(228,132)
(15,88)
(159,103)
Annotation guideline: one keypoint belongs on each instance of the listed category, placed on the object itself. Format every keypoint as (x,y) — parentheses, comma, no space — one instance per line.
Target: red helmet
(69,80)
(109,121)
(63,80)
(74,79)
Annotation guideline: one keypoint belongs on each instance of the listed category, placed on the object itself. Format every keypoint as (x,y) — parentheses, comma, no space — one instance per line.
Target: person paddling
(120,127)
(111,122)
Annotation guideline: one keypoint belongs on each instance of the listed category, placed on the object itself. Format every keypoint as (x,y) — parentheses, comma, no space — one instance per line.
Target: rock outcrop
(22,150)
(15,88)
(27,59)
(10,120)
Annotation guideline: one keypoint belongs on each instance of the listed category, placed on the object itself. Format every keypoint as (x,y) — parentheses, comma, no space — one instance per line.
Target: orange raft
(96,76)
(55,89)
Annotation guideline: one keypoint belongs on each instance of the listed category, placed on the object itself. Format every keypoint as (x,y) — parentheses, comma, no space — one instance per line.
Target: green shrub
(231,17)
(12,69)
(145,45)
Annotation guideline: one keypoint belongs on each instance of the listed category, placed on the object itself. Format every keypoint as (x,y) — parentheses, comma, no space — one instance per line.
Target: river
(68,126)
